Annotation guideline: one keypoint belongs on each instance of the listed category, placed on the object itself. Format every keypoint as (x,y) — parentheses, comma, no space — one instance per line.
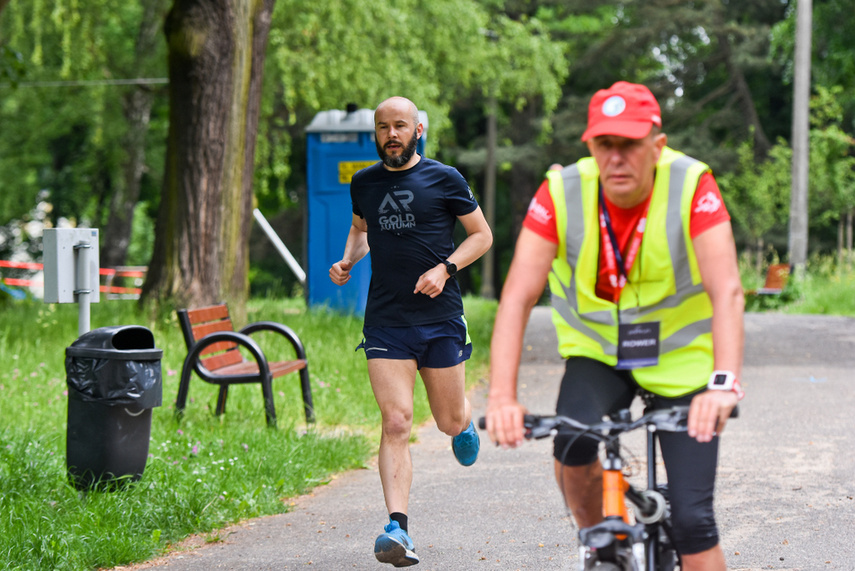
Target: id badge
(638,345)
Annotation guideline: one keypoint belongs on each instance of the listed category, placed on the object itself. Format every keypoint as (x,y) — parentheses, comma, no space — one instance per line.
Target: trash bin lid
(125,342)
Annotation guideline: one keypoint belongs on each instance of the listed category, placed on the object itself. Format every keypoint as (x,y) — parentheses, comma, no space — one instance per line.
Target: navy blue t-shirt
(411,216)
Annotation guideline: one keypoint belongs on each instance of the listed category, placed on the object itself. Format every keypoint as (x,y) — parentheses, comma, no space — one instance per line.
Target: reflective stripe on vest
(664,282)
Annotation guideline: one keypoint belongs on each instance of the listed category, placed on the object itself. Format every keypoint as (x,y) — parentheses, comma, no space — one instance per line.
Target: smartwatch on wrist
(725,381)
(450,267)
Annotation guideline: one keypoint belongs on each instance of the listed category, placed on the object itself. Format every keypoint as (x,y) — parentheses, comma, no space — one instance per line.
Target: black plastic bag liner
(115,366)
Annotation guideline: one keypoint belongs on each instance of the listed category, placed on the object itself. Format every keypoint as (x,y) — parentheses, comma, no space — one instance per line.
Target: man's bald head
(400,104)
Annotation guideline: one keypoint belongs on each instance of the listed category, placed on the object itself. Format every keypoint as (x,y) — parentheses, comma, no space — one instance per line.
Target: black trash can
(114,380)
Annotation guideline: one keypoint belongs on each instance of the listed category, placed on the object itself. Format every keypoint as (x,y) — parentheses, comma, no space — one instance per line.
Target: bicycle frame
(615,541)
(652,547)
(639,542)
(615,538)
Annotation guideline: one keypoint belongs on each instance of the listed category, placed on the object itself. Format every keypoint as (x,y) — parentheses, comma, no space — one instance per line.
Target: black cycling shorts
(591,390)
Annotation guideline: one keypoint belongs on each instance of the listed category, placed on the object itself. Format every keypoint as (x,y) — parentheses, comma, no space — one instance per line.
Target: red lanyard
(616,265)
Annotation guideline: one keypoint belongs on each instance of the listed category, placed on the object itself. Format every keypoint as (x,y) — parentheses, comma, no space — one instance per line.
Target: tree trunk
(849,216)
(236,230)
(488,264)
(216,52)
(743,94)
(137,110)
(524,178)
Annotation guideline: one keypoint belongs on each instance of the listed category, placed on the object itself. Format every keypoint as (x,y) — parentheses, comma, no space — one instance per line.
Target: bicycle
(617,544)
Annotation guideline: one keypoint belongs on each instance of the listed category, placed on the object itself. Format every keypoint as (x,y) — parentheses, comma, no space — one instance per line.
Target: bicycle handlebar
(672,419)
(668,420)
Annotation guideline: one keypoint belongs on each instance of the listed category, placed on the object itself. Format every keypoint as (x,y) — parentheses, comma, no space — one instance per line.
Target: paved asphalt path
(784,497)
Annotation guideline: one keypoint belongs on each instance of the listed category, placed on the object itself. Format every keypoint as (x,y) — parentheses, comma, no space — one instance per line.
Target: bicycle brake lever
(671,420)
(539,432)
(535,428)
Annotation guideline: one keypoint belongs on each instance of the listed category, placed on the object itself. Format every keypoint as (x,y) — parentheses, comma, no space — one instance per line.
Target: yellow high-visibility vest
(664,283)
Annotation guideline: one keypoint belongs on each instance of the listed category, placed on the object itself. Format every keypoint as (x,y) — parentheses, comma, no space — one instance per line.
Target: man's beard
(406,154)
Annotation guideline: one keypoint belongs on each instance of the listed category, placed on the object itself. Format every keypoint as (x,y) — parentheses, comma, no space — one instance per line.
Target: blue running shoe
(466,445)
(395,547)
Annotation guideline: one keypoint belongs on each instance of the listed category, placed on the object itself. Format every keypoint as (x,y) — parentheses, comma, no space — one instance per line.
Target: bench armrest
(283,330)
(232,336)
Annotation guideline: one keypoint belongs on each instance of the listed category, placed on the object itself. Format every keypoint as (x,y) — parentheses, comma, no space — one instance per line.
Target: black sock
(400,518)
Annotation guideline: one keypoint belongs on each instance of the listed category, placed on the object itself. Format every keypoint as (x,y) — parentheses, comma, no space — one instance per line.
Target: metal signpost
(71,269)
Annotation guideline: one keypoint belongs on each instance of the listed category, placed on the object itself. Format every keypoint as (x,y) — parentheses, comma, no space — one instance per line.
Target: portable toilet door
(339,143)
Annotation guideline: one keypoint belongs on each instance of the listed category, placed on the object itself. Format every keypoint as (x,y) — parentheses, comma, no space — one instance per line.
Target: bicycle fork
(613,540)
(602,542)
(654,512)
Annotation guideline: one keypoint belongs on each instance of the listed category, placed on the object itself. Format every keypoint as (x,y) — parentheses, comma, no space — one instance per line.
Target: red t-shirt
(708,210)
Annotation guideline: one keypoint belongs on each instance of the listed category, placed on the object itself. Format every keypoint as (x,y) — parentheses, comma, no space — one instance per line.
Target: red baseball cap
(624,109)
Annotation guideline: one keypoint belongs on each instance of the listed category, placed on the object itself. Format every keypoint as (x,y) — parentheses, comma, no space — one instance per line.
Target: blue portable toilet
(339,143)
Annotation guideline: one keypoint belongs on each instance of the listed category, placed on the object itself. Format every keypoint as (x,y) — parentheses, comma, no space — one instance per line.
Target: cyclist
(637,247)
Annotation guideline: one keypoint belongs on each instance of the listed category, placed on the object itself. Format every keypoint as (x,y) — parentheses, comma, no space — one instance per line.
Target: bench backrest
(776,276)
(197,323)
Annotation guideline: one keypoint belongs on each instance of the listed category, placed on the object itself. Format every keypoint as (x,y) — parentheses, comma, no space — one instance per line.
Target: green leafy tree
(832,115)
(757,193)
(706,62)
(833,44)
(714,78)
(323,59)
(74,133)
(516,99)
(140,61)
(53,132)
(531,66)
(469,53)
(832,167)
(11,64)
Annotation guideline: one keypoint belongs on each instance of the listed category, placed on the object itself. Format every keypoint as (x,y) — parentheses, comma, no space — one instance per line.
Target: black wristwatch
(450,267)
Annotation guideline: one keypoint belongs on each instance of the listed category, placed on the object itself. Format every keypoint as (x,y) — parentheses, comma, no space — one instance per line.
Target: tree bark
(236,230)
(216,52)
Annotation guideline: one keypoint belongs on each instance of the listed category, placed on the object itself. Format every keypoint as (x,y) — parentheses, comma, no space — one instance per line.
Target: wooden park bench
(776,279)
(214,353)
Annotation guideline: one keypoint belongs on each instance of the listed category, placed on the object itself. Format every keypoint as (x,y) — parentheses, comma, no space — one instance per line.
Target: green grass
(826,288)
(202,473)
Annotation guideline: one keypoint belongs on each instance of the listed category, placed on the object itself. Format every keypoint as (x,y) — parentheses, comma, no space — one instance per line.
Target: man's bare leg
(710,560)
(583,491)
(446,389)
(446,392)
(392,382)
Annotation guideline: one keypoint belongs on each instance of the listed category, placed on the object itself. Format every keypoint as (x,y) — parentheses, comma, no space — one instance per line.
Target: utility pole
(489,264)
(798,237)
